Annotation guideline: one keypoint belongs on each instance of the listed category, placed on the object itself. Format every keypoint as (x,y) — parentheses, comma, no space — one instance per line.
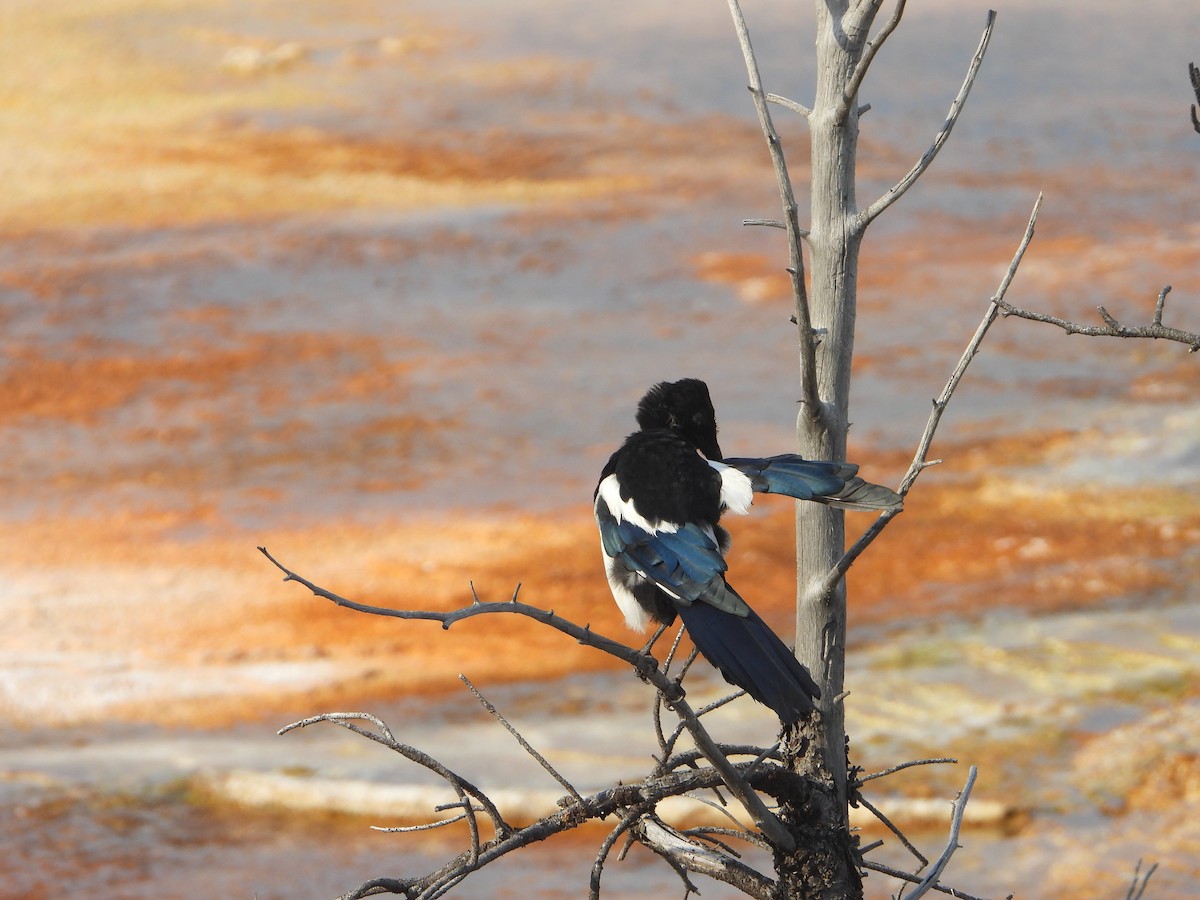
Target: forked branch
(864,63)
(1111,327)
(867,216)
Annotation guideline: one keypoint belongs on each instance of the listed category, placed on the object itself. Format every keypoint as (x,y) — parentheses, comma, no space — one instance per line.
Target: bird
(658,507)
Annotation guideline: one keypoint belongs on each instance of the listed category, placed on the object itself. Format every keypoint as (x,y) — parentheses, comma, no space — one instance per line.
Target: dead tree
(825,298)
(805,830)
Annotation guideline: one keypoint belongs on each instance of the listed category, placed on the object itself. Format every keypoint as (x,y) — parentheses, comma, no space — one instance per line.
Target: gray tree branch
(674,775)
(873,46)
(867,216)
(960,806)
(644,665)
(900,874)
(694,857)
(525,745)
(1111,327)
(921,459)
(1138,887)
(808,338)
(629,801)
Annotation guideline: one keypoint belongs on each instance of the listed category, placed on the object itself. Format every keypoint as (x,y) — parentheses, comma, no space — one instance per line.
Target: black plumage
(658,506)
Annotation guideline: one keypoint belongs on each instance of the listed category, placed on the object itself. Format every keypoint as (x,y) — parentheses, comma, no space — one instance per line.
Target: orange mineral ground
(203,614)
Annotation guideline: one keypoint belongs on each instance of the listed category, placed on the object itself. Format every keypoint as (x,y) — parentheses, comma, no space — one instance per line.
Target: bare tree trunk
(834,240)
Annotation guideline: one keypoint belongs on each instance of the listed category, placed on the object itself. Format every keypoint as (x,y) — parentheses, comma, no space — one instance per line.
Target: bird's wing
(834,483)
(685,563)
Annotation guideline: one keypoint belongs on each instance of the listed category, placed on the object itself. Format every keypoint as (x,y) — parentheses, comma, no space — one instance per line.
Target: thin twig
(766,820)
(703,833)
(717,704)
(687,663)
(1111,327)
(920,458)
(463,788)
(686,758)
(666,666)
(585,636)
(858,782)
(404,829)
(607,844)
(915,879)
(960,807)
(1138,887)
(525,745)
(766,754)
(789,104)
(868,215)
(864,63)
(891,826)
(766,223)
(656,716)
(707,832)
(810,398)
(645,666)
(722,808)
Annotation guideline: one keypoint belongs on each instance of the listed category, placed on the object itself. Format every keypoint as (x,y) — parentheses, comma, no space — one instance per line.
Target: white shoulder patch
(610,490)
(736,491)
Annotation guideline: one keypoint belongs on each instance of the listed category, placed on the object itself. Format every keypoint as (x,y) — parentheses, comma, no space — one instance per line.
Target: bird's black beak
(711,450)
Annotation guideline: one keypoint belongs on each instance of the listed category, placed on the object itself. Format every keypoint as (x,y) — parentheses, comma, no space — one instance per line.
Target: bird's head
(685,408)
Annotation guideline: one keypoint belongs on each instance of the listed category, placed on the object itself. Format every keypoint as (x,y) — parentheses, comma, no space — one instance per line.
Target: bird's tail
(751,656)
(834,483)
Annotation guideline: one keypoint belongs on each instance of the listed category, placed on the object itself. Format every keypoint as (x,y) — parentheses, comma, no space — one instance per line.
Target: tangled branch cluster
(747,772)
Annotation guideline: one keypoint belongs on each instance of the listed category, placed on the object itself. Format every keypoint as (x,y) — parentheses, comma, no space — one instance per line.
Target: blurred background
(378,285)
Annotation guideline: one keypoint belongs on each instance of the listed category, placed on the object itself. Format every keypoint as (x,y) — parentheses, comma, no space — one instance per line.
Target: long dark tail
(750,655)
(834,483)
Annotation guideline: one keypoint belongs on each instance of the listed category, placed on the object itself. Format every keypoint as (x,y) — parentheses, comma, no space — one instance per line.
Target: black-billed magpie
(658,506)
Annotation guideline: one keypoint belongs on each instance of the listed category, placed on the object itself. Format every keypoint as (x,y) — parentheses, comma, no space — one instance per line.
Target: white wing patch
(610,491)
(736,491)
